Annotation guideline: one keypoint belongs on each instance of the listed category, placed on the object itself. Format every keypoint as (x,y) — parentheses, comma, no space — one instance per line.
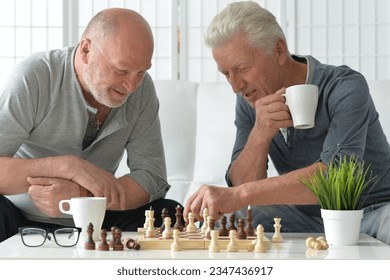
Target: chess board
(194,241)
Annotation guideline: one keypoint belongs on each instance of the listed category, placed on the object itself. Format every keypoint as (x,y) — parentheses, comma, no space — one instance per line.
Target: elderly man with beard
(66,118)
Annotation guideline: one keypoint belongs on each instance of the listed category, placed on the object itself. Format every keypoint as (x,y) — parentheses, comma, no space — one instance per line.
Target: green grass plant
(341,186)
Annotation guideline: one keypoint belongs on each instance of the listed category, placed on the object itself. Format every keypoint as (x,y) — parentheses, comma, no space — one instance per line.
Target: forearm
(251,164)
(284,189)
(14,172)
(131,194)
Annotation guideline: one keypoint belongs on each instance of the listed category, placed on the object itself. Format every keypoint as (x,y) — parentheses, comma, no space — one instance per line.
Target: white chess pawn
(260,246)
(277,237)
(191,228)
(232,246)
(214,246)
(167,233)
(175,246)
(205,224)
(150,231)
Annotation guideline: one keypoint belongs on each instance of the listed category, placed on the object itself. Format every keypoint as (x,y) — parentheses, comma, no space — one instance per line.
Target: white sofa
(197,122)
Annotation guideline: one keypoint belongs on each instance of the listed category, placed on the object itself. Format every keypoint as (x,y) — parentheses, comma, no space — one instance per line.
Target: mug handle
(284,95)
(60,205)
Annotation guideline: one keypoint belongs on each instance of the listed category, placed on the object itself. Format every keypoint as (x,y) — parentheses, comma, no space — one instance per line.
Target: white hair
(258,24)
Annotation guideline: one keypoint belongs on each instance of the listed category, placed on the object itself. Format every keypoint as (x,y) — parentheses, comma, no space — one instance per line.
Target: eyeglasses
(36,236)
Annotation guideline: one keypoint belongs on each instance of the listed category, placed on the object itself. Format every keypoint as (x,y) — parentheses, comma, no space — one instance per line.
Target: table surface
(292,247)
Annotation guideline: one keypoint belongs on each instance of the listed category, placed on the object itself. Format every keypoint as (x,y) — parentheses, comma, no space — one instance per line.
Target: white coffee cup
(302,102)
(86,210)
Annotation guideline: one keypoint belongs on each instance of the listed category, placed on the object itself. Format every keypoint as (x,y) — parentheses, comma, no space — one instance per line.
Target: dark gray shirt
(346,123)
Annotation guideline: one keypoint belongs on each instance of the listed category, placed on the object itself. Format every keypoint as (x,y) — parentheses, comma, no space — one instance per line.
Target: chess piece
(103,245)
(277,237)
(167,233)
(205,217)
(241,234)
(118,246)
(164,214)
(175,246)
(179,216)
(312,243)
(249,229)
(232,220)
(232,246)
(146,224)
(112,241)
(223,230)
(131,244)
(90,244)
(323,242)
(207,230)
(150,231)
(214,246)
(260,246)
(211,227)
(317,244)
(191,228)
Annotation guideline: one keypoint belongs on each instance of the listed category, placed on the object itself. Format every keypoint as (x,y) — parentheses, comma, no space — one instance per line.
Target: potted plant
(339,190)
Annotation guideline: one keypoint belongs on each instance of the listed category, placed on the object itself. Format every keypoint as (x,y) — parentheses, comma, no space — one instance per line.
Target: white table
(293,247)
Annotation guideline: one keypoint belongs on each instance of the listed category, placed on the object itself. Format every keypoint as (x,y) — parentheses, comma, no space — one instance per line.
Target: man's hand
(272,114)
(96,180)
(218,200)
(46,193)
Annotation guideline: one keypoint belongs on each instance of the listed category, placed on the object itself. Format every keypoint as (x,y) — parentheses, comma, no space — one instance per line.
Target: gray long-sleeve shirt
(346,123)
(43,113)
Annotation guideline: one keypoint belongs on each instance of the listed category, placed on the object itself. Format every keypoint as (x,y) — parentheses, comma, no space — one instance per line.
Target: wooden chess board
(194,241)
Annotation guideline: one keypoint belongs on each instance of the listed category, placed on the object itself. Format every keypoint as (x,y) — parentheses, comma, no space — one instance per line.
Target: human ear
(281,51)
(84,48)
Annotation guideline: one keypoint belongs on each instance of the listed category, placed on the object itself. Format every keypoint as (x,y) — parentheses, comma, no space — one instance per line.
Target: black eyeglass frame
(47,236)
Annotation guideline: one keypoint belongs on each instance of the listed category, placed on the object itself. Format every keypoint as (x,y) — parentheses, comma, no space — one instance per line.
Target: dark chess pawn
(89,244)
(118,246)
(131,244)
(112,241)
(223,230)
(232,220)
(103,245)
(241,231)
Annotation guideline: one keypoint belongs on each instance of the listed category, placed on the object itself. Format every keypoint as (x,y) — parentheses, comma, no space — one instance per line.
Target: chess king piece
(277,237)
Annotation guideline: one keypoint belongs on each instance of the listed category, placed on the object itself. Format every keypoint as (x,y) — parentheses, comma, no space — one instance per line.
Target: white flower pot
(342,227)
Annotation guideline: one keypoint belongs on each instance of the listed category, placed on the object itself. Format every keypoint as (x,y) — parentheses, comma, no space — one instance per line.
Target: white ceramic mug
(86,210)
(302,102)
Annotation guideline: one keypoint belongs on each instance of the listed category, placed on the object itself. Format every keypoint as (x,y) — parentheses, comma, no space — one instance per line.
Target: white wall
(352,32)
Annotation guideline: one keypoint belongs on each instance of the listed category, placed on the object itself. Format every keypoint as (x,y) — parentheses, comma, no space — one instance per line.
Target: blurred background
(351,32)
